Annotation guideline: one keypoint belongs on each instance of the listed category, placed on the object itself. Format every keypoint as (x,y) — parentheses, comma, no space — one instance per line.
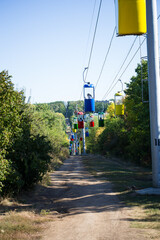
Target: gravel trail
(87,208)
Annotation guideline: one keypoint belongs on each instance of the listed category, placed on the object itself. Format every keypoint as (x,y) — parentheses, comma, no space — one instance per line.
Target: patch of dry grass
(22,225)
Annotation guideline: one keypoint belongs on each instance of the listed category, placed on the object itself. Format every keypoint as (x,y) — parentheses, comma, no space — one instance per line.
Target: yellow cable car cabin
(73,130)
(131,17)
(119,106)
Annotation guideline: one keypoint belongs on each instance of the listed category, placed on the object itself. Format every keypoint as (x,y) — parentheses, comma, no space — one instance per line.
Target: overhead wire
(132,57)
(107,93)
(90,28)
(111,87)
(109,90)
(121,66)
(94,35)
(89,35)
(105,57)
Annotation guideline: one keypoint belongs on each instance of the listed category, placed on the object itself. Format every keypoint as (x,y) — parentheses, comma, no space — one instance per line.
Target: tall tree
(11,107)
(137,119)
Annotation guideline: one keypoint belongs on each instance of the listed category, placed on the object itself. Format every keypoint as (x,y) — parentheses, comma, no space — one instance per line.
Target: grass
(126,178)
(21,225)
(18,222)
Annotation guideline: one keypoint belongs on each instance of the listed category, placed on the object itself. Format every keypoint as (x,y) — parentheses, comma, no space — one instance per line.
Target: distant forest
(68,108)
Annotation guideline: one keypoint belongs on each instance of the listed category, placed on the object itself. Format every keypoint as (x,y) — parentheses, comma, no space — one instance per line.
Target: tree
(29,139)
(101,106)
(11,105)
(74,106)
(58,106)
(138,122)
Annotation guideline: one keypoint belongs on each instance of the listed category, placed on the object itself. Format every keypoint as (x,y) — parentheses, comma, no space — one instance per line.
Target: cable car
(119,106)
(87,132)
(80,120)
(89,97)
(131,17)
(101,119)
(75,123)
(72,136)
(74,130)
(91,121)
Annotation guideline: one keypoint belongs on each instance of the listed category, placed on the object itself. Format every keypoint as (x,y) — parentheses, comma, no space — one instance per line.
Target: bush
(28,139)
(114,138)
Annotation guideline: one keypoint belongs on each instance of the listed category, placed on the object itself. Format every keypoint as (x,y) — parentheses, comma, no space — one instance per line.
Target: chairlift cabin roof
(118,94)
(88,85)
(101,113)
(80,113)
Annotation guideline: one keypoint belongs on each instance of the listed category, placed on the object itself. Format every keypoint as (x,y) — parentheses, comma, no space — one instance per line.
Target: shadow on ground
(72,191)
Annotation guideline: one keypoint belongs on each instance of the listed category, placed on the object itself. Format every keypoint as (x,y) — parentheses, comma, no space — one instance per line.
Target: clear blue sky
(43,45)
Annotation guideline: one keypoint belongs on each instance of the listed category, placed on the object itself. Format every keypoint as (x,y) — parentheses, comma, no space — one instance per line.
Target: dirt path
(87,209)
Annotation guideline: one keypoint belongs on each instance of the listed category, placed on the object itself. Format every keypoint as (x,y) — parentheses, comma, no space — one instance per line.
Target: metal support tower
(84,141)
(154,88)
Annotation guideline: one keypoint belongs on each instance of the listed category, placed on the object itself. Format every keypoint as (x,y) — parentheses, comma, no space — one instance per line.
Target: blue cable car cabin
(87,132)
(89,97)
(72,136)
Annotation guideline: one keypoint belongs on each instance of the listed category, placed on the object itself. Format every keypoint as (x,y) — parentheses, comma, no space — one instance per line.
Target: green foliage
(111,109)
(91,141)
(114,137)
(30,137)
(11,104)
(52,125)
(74,106)
(68,109)
(101,106)
(30,161)
(41,106)
(4,167)
(58,106)
(28,156)
(79,106)
(138,121)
